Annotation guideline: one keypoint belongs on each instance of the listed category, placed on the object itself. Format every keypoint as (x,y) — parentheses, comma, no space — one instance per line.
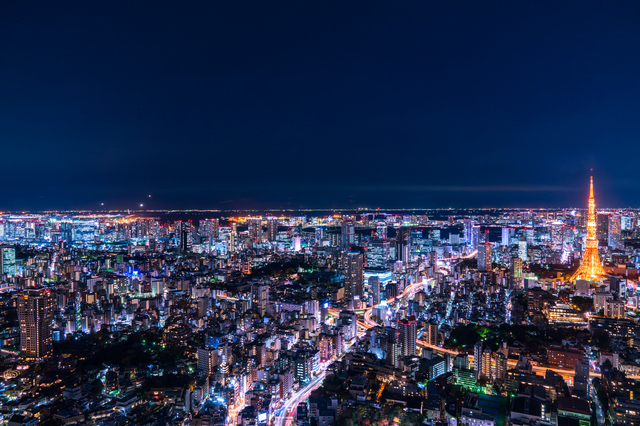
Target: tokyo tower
(591,267)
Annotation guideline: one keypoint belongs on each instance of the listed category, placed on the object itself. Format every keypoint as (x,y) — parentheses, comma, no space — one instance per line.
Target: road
(288,411)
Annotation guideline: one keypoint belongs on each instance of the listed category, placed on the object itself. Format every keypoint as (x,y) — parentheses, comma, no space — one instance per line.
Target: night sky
(235,104)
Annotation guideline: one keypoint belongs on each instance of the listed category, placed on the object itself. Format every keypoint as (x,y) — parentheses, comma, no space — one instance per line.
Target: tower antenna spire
(591,267)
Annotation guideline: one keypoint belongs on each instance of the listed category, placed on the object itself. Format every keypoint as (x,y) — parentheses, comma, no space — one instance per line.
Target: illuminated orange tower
(591,267)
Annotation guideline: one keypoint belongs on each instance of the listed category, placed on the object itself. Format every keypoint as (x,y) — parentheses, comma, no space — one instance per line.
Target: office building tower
(477,357)
(208,360)
(591,267)
(378,253)
(529,236)
(348,235)
(374,285)
(35,315)
(7,260)
(522,250)
(516,271)
(255,229)
(431,333)
(272,229)
(501,367)
(557,234)
(475,237)
(468,230)
(484,257)
(407,336)
(353,275)
(485,365)
(184,240)
(461,361)
(581,378)
(602,228)
(382,231)
(260,297)
(615,229)
(506,236)
(233,236)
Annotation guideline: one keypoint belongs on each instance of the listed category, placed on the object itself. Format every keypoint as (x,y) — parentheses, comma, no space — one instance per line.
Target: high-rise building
(557,232)
(431,333)
(260,296)
(233,235)
(374,285)
(35,314)
(475,236)
(255,228)
(477,357)
(506,236)
(403,236)
(484,257)
(485,365)
(522,250)
(184,240)
(348,235)
(581,378)
(7,260)
(207,360)
(501,367)
(407,336)
(468,233)
(382,231)
(377,253)
(354,275)
(516,271)
(602,228)
(615,229)
(272,230)
(209,229)
(591,266)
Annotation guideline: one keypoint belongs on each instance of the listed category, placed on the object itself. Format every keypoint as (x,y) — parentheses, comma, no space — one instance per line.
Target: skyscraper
(255,228)
(468,226)
(501,368)
(522,250)
(516,270)
(260,296)
(485,365)
(374,285)
(377,253)
(557,233)
(184,240)
(348,235)
(602,228)
(407,336)
(35,314)
(484,257)
(272,230)
(506,236)
(7,260)
(475,236)
(615,228)
(354,275)
(382,231)
(431,333)
(477,358)
(581,378)
(591,266)
(233,235)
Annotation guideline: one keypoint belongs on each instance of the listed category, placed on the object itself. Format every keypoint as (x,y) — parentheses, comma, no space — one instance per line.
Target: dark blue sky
(319,104)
